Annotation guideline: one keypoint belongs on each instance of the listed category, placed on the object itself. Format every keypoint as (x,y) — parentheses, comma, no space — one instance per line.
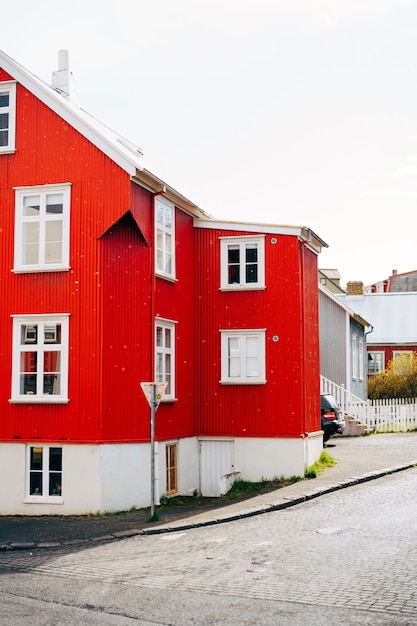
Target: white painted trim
(10,87)
(42,190)
(18,320)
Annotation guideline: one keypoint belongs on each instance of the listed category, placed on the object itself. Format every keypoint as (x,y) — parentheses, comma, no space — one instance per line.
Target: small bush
(325,460)
(398,380)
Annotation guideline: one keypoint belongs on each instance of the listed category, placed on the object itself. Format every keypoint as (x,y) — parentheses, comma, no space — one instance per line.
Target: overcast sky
(299,112)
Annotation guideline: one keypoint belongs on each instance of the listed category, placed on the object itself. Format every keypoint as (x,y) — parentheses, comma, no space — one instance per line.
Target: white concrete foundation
(117,477)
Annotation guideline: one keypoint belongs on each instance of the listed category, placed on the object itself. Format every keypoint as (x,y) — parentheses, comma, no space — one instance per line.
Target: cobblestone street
(353,549)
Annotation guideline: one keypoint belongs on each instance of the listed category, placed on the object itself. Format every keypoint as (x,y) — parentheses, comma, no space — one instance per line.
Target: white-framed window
(171,453)
(40,359)
(242,262)
(7,117)
(360,358)
(165,356)
(43,473)
(42,228)
(354,356)
(376,361)
(243,356)
(164,237)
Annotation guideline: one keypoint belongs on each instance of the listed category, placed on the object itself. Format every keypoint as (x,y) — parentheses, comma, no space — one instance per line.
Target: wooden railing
(381,416)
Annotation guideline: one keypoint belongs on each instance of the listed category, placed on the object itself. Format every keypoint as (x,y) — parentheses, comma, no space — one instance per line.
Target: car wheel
(326,436)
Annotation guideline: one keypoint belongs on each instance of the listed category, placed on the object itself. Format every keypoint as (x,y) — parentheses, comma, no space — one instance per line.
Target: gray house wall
(333,329)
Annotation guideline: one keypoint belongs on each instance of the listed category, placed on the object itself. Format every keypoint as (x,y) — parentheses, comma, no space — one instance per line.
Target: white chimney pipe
(63,80)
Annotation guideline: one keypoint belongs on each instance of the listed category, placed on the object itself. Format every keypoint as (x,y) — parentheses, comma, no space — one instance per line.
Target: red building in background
(108,278)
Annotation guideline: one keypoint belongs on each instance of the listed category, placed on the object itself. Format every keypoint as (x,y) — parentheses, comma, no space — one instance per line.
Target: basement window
(44,474)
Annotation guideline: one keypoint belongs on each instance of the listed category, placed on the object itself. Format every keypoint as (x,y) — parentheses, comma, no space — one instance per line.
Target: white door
(216,462)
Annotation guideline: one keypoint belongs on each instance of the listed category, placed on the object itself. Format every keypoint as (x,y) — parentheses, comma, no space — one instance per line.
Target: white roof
(392,315)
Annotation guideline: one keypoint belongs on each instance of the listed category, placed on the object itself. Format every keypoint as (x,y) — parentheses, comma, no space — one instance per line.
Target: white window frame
(249,369)
(23,343)
(163,354)
(241,244)
(360,356)
(164,238)
(10,88)
(45,497)
(354,357)
(42,220)
(376,352)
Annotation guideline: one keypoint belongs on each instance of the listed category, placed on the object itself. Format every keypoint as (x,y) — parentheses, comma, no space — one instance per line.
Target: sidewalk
(358,460)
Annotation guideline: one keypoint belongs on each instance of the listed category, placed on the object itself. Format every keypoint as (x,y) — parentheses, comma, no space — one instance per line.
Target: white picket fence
(381,416)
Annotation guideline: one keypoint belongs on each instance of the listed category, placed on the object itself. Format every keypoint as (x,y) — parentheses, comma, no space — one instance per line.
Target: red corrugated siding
(48,150)
(176,301)
(277,408)
(125,338)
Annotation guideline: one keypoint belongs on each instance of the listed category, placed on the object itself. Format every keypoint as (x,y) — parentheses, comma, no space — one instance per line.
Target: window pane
(233,259)
(251,273)
(160,215)
(251,264)
(4,99)
(252,357)
(168,264)
(251,254)
(29,334)
(51,368)
(36,458)
(234,357)
(30,250)
(28,362)
(53,242)
(54,203)
(4,121)
(4,137)
(159,336)
(52,333)
(167,337)
(31,205)
(28,369)
(55,471)
(55,459)
(168,218)
(35,486)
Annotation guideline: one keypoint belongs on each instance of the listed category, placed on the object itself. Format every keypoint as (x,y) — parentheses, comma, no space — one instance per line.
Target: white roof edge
(303,232)
(119,149)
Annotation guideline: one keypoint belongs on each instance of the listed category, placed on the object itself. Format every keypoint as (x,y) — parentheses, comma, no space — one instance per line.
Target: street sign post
(153,393)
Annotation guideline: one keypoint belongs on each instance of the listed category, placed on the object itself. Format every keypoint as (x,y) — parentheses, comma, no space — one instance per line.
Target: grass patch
(324,461)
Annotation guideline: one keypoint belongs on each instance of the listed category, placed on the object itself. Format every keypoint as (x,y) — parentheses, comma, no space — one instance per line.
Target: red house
(110,278)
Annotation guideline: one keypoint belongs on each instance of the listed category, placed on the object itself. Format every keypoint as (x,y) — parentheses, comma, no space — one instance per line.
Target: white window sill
(242,381)
(38,400)
(37,270)
(242,287)
(43,500)
(8,150)
(167,277)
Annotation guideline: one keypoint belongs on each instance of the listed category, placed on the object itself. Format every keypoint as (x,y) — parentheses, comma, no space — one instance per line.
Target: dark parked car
(332,419)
